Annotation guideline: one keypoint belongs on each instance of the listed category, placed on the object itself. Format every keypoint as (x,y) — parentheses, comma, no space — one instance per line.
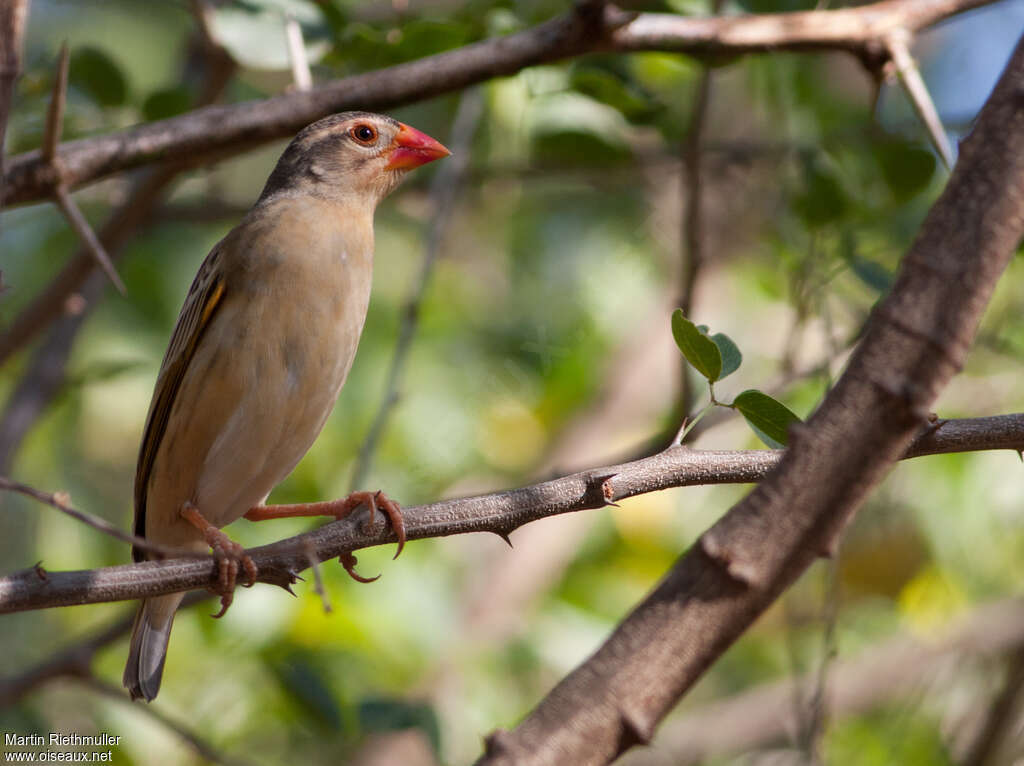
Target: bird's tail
(150,634)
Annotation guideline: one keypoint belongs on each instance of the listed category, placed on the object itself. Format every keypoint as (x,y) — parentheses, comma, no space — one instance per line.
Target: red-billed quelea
(260,351)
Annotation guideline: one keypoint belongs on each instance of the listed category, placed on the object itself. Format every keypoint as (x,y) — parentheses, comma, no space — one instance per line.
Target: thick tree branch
(499,513)
(225,130)
(915,342)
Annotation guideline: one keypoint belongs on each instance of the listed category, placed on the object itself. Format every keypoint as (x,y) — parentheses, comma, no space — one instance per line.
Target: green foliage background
(544,345)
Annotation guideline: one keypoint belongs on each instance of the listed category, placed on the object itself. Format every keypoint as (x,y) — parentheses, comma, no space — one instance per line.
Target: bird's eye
(363,133)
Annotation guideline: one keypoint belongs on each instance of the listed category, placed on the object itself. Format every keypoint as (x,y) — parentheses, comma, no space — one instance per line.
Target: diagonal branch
(916,341)
(499,513)
(226,130)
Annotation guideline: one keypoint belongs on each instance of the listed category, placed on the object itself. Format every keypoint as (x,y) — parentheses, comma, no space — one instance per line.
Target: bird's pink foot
(229,555)
(339,509)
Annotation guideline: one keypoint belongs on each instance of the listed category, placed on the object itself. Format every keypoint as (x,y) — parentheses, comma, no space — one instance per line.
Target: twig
(92,243)
(910,77)
(444,191)
(1000,719)
(318,582)
(499,513)
(302,78)
(62,502)
(692,233)
(226,130)
(821,702)
(810,693)
(55,112)
(48,152)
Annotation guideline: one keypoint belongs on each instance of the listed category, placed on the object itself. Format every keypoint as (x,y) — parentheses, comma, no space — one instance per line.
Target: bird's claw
(374,501)
(229,556)
(348,560)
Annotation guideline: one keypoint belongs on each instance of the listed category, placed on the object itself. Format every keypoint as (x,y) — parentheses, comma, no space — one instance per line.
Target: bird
(264,341)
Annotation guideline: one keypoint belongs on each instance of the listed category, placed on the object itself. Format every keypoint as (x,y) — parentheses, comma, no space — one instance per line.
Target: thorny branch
(500,513)
(226,130)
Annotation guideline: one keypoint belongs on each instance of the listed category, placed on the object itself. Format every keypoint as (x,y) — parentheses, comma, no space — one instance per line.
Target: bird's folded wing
(204,296)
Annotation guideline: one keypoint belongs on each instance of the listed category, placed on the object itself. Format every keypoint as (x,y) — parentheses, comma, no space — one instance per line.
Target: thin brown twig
(1001,715)
(84,231)
(318,581)
(692,234)
(48,152)
(55,111)
(225,130)
(499,513)
(62,502)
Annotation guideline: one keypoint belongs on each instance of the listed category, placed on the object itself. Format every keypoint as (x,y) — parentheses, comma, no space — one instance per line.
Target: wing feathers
(201,303)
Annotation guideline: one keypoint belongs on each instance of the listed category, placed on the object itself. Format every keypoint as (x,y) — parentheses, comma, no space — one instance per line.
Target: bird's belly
(264,389)
(290,389)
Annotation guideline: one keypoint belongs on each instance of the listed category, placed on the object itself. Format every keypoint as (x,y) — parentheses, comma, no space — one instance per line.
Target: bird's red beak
(411,148)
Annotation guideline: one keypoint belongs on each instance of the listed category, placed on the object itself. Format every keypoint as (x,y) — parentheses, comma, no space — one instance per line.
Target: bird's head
(351,156)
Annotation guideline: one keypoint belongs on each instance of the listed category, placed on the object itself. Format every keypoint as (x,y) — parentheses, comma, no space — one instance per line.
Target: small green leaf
(906,167)
(383,714)
(731,356)
(306,684)
(609,87)
(768,418)
(93,71)
(822,200)
(697,347)
(871,273)
(167,102)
